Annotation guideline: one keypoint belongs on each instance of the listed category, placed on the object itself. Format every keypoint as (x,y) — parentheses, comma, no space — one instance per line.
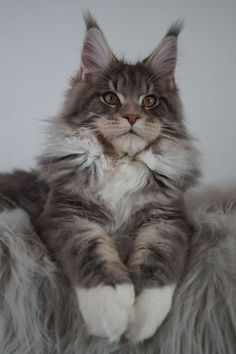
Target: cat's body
(113,198)
(117,163)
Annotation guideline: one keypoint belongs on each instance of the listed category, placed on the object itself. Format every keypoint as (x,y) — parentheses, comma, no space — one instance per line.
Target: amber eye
(110,98)
(149,101)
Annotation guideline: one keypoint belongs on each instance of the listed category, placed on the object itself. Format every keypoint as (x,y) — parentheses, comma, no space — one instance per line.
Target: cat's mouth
(128,133)
(129,142)
(131,132)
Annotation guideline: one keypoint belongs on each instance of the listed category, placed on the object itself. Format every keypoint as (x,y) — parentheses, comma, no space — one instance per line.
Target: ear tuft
(90,21)
(175,28)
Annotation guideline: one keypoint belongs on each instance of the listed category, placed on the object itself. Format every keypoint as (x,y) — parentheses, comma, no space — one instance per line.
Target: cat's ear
(96,53)
(163,59)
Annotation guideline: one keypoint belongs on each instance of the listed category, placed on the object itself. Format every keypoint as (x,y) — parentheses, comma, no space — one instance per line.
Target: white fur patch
(173,164)
(14,220)
(124,177)
(106,310)
(82,141)
(121,181)
(150,309)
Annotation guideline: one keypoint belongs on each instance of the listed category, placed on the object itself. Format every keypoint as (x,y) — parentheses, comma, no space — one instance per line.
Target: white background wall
(40,42)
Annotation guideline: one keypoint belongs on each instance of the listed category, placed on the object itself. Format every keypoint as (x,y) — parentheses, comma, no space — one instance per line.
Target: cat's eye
(110,98)
(149,101)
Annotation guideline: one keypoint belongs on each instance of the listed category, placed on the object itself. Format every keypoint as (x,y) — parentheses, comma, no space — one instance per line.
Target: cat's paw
(106,309)
(150,309)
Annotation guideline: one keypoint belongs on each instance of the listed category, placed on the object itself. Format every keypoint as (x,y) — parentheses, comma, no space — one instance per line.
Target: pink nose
(131,118)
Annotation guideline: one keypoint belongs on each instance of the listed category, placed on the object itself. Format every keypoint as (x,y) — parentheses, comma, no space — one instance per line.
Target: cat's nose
(131,118)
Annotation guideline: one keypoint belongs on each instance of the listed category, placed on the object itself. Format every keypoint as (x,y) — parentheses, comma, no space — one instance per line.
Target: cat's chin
(129,143)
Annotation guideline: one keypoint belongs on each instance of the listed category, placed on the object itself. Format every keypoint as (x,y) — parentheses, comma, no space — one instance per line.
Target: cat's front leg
(104,290)
(156,263)
(101,281)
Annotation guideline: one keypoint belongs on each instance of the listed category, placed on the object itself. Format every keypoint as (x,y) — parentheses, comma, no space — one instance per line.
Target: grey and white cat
(117,163)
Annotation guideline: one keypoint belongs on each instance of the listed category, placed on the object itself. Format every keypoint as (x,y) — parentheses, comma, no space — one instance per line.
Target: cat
(39,308)
(117,163)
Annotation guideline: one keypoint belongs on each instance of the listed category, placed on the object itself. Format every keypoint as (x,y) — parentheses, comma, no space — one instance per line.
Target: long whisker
(173,123)
(176,133)
(169,138)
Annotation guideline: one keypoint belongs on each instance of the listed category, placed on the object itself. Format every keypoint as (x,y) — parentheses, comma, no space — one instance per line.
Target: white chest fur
(122,179)
(121,182)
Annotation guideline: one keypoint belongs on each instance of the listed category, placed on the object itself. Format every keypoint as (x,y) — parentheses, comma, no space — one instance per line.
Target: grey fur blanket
(39,314)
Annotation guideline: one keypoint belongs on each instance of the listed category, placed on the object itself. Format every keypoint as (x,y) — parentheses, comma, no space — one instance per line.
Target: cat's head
(127,106)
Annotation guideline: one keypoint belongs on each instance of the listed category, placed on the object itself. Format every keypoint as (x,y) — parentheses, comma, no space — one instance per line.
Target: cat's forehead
(131,79)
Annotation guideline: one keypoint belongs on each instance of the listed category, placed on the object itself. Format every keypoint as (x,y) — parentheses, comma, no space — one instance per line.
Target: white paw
(106,309)
(150,309)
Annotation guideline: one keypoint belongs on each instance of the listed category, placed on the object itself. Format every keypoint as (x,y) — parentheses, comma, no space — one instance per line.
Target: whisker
(173,123)
(169,138)
(176,133)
